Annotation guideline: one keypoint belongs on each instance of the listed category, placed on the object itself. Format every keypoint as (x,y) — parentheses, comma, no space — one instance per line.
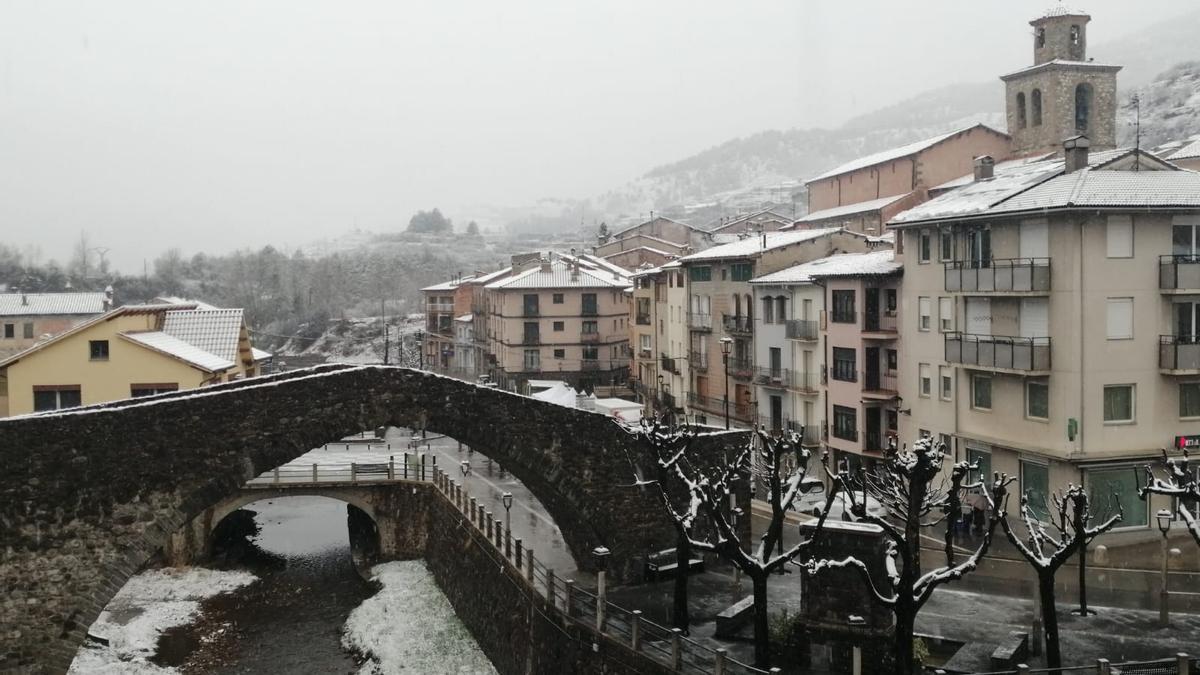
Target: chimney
(1075,152)
(108,298)
(24,299)
(985,167)
(547,266)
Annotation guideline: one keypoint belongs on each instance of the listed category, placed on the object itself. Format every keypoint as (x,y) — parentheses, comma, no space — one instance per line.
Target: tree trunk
(1049,618)
(683,555)
(762,632)
(905,626)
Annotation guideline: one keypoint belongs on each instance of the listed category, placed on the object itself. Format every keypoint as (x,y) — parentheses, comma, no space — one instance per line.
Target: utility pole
(383,316)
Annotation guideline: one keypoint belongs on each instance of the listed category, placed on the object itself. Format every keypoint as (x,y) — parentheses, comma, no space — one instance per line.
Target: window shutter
(1120,318)
(1120,236)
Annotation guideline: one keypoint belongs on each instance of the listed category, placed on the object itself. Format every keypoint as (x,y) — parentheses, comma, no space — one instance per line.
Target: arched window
(1021,119)
(1083,106)
(1035,103)
(1040,41)
(1075,33)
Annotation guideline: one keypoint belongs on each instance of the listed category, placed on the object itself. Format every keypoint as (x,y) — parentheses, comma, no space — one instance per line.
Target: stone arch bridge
(88,496)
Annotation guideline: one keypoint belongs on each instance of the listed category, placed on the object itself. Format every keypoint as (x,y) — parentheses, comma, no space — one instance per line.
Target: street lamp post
(1164,525)
(465,467)
(726,345)
(507,500)
(601,554)
(421,348)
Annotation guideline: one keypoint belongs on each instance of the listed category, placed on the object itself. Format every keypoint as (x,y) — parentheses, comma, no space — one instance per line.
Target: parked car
(813,497)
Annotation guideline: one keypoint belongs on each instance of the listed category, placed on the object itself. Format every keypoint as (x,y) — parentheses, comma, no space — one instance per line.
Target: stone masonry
(88,496)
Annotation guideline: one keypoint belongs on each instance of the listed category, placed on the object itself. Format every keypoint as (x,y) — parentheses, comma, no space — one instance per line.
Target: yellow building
(136,350)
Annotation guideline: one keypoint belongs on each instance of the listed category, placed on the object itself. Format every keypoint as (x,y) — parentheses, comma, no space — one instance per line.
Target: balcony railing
(998,351)
(801,329)
(699,321)
(531,339)
(642,319)
(844,434)
(846,316)
(528,310)
(1178,272)
(881,382)
(439,307)
(737,324)
(741,411)
(698,360)
(881,323)
(589,364)
(589,310)
(741,368)
(1179,352)
(668,365)
(1001,275)
(589,338)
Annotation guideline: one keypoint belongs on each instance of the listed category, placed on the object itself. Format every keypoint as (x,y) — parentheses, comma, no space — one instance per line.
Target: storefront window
(1110,489)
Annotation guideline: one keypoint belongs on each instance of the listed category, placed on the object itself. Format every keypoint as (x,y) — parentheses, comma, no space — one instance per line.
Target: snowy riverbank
(410,627)
(149,604)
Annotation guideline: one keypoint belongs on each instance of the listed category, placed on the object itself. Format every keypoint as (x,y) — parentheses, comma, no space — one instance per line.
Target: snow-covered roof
(658,251)
(561,275)
(763,214)
(449,285)
(1189,151)
(492,276)
(215,331)
(752,246)
(260,355)
(1005,167)
(1055,63)
(172,346)
(852,209)
(176,300)
(618,234)
(465,318)
(43,304)
(895,153)
(873,263)
(1061,10)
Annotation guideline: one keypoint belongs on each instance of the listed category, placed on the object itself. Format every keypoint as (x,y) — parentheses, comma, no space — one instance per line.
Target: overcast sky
(226,123)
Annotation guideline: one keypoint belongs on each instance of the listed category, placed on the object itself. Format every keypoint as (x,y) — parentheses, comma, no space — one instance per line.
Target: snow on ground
(410,627)
(150,603)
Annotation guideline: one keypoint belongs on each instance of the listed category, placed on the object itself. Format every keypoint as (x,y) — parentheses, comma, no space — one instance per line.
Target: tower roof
(1058,11)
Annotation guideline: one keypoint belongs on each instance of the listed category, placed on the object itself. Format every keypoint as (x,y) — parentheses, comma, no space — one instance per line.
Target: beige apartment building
(561,317)
(447,306)
(26,318)
(721,311)
(658,337)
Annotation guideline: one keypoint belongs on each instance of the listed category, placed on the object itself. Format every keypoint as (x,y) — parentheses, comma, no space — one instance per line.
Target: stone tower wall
(1057,84)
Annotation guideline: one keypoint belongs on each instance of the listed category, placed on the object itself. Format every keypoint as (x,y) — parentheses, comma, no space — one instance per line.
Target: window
(944,439)
(1109,487)
(1119,236)
(889,301)
(1189,399)
(1040,40)
(1118,403)
(1083,106)
(1184,240)
(701,273)
(925,379)
(893,360)
(558,298)
(27,330)
(984,459)
(946,376)
(559,326)
(946,251)
(1022,122)
(1035,485)
(533,359)
(10,330)
(530,304)
(642,313)
(780,309)
(1036,105)
(139,390)
(845,423)
(560,353)
(532,333)
(946,314)
(981,392)
(1037,399)
(589,304)
(56,397)
(768,310)
(591,353)
(741,271)
(1120,318)
(923,310)
(1075,34)
(843,306)
(591,328)
(98,350)
(645,343)
(923,248)
(845,367)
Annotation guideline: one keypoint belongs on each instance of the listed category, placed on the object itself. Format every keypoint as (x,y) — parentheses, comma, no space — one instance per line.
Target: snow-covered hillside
(1170,107)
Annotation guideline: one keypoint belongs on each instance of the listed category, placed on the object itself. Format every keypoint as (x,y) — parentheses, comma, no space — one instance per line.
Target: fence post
(719,662)
(314,472)
(353,471)
(405,466)
(508,543)
(473,509)
(567,587)
(517,558)
(422,466)
(1022,669)
(275,475)
(635,630)
(529,572)
(1103,667)
(391,467)
(676,649)
(488,518)
(1183,663)
(550,586)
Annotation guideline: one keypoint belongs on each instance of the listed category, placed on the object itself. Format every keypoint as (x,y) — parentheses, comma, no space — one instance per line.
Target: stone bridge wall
(88,496)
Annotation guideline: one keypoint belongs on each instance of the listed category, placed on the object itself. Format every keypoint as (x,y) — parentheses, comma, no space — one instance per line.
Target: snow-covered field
(410,627)
(149,604)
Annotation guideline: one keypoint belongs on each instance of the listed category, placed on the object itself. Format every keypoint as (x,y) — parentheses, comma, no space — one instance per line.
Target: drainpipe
(1082,371)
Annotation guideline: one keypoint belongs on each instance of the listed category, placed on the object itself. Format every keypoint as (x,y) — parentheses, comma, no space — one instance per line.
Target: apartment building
(444,304)
(763,220)
(26,318)
(653,242)
(562,317)
(722,318)
(659,337)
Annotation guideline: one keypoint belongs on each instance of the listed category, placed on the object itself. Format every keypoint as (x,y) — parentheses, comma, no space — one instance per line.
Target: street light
(726,345)
(507,500)
(1164,525)
(465,467)
(420,337)
(601,554)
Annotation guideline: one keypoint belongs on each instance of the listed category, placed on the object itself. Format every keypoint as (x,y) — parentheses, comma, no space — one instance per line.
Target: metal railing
(741,411)
(404,466)
(837,316)
(668,364)
(531,339)
(881,323)
(588,338)
(439,307)
(1178,272)
(697,321)
(801,329)
(530,310)
(571,602)
(642,319)
(1178,664)
(999,275)
(880,382)
(1179,352)
(998,351)
(698,360)
(741,367)
(737,324)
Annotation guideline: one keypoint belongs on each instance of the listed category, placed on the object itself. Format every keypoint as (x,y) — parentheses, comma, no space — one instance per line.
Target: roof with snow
(1061,63)
(215,331)
(172,346)
(260,354)
(561,275)
(176,300)
(752,246)
(1060,10)
(450,285)
(1189,151)
(873,263)
(618,234)
(896,153)
(761,214)
(851,209)
(42,304)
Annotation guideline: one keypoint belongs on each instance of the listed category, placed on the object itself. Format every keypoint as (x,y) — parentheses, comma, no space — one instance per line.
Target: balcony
(880,386)
(711,404)
(742,369)
(530,311)
(698,321)
(1179,273)
(733,325)
(886,323)
(668,365)
(800,329)
(589,338)
(1179,354)
(698,360)
(1003,275)
(530,339)
(642,319)
(999,353)
(843,316)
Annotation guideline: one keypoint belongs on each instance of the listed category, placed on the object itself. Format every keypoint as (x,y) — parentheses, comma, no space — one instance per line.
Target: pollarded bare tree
(1069,516)
(909,488)
(708,491)
(1179,482)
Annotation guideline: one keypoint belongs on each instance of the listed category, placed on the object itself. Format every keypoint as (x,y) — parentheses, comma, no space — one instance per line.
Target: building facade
(26,318)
